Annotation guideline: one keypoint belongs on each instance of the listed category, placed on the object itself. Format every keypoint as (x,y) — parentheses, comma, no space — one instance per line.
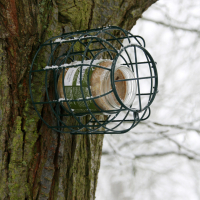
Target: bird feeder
(104,80)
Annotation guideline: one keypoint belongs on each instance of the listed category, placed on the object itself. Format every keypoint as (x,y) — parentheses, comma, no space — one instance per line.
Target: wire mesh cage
(104,79)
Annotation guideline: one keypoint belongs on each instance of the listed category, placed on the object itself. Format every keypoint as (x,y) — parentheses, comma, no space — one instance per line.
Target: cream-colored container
(100,84)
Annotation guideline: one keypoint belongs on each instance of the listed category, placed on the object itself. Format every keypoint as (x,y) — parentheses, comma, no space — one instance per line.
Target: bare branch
(177,126)
(140,156)
(171,26)
(166,154)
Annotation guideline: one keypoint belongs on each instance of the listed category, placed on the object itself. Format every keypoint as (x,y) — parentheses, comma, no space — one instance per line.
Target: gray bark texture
(36,162)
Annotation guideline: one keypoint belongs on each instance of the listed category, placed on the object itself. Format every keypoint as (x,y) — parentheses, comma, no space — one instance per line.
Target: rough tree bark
(36,162)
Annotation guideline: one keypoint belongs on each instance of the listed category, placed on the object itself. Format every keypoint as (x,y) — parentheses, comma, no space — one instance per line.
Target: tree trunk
(36,162)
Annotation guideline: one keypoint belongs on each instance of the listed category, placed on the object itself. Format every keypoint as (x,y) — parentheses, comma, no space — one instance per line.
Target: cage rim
(151,77)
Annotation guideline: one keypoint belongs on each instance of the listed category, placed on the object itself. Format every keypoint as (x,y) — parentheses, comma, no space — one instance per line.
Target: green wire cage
(104,79)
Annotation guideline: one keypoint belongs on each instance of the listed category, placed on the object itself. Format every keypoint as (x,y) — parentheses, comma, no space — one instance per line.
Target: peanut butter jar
(79,89)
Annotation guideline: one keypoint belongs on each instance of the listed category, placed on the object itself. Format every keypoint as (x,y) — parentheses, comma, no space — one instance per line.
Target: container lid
(101,84)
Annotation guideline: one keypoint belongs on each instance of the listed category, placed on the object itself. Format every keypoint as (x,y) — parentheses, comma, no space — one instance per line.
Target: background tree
(36,162)
(159,158)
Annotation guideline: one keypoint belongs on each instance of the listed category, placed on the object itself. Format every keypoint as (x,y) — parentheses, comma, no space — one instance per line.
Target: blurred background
(160,158)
